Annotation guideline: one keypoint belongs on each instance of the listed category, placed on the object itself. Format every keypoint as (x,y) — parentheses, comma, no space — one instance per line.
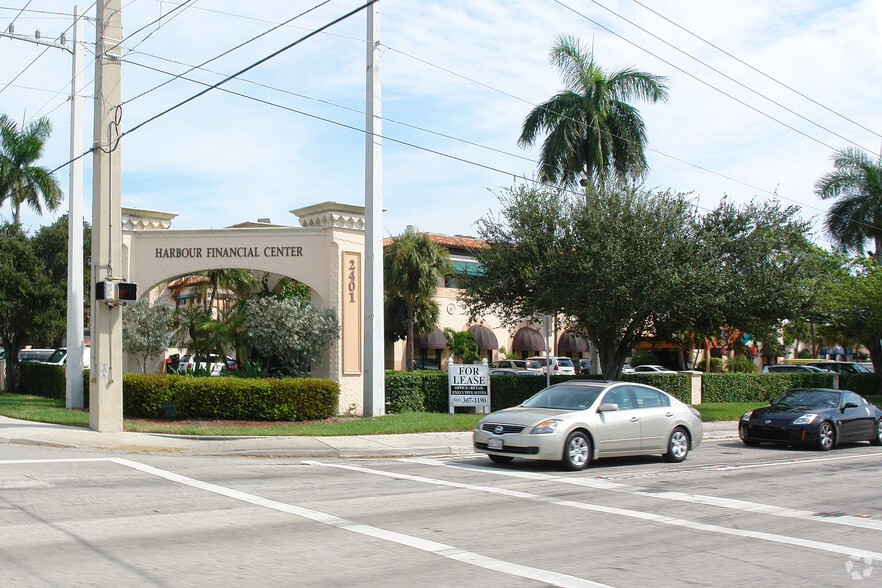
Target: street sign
(468,385)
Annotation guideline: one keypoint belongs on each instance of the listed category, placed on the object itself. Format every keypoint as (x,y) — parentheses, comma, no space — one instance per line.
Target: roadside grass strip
(621,512)
(730,503)
(434,547)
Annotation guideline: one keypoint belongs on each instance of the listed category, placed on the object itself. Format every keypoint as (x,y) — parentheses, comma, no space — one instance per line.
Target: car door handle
(669,414)
(634,419)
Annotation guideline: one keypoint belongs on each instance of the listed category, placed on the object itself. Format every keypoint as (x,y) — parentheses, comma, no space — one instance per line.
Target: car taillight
(167,360)
(555,367)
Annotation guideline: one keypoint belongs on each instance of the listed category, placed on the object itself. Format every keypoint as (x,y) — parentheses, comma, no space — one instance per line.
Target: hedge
(757,387)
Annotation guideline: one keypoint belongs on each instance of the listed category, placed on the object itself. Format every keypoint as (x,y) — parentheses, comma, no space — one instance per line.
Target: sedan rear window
(564,397)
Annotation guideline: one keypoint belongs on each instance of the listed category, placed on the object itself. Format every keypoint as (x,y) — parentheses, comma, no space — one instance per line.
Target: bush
(863,384)
(740,365)
(643,357)
(145,394)
(40,379)
(757,387)
(715,368)
(804,354)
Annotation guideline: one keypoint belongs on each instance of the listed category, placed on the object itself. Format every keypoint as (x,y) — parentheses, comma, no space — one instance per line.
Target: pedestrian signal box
(115,292)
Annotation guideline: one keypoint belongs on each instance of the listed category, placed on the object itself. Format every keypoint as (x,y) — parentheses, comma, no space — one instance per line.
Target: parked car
(840,367)
(651,369)
(212,362)
(33,354)
(583,366)
(514,372)
(59,356)
(788,368)
(817,417)
(580,420)
(559,366)
(627,369)
(516,364)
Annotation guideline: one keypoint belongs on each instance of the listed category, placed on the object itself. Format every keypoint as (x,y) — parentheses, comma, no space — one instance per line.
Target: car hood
(518,415)
(780,414)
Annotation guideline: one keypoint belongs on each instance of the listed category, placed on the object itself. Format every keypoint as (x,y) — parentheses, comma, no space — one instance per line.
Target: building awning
(471,268)
(572,343)
(433,340)
(528,339)
(484,337)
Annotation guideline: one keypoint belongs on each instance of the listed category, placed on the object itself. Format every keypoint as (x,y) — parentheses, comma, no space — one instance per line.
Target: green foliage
(677,385)
(145,394)
(643,357)
(593,132)
(42,379)
(863,384)
(741,365)
(462,345)
(803,354)
(248,369)
(21,181)
(289,332)
(716,365)
(147,329)
(757,387)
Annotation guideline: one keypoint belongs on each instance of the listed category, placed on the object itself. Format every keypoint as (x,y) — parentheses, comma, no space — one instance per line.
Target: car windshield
(564,397)
(809,399)
(56,356)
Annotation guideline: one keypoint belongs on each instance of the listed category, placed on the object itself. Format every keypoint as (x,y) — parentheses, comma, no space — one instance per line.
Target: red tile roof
(448,241)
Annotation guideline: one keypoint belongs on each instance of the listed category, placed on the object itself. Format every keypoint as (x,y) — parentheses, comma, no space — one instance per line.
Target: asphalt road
(727,515)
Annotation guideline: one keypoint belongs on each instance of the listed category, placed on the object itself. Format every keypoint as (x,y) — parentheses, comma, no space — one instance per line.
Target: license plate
(494,444)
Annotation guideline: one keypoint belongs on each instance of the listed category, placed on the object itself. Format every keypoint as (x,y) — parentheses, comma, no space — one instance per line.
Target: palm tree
(592,131)
(20,181)
(413,264)
(857,215)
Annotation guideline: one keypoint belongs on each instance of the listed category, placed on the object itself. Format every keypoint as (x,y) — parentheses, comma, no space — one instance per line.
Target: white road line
(634,514)
(65,460)
(730,503)
(429,546)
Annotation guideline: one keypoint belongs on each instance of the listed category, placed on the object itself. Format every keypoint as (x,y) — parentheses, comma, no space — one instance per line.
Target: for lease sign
(468,385)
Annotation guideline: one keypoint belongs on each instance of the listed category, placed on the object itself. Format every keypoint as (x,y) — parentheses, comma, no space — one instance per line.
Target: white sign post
(468,385)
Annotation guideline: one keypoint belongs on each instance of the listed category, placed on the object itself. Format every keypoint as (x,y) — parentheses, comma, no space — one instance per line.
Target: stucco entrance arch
(326,253)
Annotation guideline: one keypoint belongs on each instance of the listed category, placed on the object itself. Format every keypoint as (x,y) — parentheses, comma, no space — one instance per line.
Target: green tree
(31,302)
(593,134)
(147,329)
(857,214)
(413,265)
(22,182)
(240,282)
(462,345)
(425,317)
(854,306)
(289,332)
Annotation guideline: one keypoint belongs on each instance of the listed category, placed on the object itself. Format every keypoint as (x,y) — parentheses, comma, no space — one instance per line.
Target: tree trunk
(814,341)
(408,355)
(707,362)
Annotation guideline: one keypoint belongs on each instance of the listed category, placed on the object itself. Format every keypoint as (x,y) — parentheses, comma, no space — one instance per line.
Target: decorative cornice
(331,214)
(139,219)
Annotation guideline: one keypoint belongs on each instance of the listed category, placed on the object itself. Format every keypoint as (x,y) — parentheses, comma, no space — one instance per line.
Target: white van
(59,356)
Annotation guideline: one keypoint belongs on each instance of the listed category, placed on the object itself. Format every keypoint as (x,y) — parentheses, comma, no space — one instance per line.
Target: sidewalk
(49,435)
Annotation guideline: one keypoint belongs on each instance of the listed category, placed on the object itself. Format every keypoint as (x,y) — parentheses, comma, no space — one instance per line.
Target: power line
(697,79)
(730,78)
(762,73)
(19,14)
(252,66)
(228,51)
(162,24)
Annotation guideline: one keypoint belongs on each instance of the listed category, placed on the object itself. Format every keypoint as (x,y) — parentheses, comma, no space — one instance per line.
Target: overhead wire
(762,73)
(19,14)
(731,79)
(228,51)
(696,78)
(160,23)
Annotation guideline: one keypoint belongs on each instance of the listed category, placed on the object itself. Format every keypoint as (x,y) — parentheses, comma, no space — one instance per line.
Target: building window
(428,359)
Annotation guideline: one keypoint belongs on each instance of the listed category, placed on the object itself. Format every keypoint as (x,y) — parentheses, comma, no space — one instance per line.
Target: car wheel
(577,451)
(877,439)
(826,437)
(678,446)
(499,458)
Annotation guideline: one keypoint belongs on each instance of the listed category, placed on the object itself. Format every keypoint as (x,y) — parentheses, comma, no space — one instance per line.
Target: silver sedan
(580,420)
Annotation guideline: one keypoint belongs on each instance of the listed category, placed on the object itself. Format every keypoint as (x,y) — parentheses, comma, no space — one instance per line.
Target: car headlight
(746,416)
(546,426)
(805,419)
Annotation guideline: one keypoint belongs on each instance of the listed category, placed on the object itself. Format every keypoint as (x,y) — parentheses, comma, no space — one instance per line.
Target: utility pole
(106,375)
(74,368)
(374,382)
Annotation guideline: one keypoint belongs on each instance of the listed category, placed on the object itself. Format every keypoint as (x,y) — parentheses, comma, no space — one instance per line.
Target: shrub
(715,367)
(863,384)
(41,379)
(643,357)
(804,354)
(145,394)
(740,365)
(757,387)
(677,385)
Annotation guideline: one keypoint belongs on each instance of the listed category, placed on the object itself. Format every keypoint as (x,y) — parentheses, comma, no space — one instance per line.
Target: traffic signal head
(115,292)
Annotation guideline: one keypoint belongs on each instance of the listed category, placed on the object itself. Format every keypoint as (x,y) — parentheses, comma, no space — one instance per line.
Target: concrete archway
(326,252)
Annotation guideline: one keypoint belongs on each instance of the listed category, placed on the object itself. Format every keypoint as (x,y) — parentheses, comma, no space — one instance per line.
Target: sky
(761,95)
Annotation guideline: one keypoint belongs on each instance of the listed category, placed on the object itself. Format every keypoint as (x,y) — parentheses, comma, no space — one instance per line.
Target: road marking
(429,546)
(634,514)
(730,503)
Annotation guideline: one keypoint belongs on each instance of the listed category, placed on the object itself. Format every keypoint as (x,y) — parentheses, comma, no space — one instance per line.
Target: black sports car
(818,417)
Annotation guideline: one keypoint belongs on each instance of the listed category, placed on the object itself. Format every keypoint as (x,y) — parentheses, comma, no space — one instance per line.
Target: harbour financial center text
(208,252)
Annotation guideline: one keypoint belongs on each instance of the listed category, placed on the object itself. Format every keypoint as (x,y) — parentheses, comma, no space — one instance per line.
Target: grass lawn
(725,411)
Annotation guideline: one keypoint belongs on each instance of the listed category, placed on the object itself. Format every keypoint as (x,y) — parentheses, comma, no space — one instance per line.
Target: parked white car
(59,356)
(651,369)
(559,366)
(213,362)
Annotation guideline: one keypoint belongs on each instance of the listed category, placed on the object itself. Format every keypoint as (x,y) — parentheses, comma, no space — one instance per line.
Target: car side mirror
(849,405)
(608,407)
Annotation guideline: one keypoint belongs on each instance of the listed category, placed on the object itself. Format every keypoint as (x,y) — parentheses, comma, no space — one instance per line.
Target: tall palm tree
(857,216)
(593,133)
(413,264)
(22,182)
